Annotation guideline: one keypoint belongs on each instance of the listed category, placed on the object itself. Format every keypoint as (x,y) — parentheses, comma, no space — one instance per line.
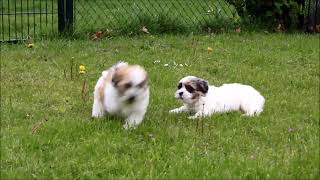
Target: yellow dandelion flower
(82,72)
(210,49)
(82,69)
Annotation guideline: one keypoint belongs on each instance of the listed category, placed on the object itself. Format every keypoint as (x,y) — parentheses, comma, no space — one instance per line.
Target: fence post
(65,16)
(61,16)
(69,16)
(301,15)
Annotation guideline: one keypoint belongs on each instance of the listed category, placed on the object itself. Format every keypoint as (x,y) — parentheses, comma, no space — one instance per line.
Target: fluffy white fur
(228,97)
(108,98)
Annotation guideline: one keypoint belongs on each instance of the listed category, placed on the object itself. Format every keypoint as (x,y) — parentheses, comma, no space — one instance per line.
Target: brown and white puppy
(203,100)
(122,90)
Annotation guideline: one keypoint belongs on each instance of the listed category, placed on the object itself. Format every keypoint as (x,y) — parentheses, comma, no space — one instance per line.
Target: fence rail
(25,19)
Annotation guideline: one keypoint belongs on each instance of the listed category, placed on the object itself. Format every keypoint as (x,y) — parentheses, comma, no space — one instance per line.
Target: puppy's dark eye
(189,88)
(179,85)
(114,81)
(140,85)
(128,85)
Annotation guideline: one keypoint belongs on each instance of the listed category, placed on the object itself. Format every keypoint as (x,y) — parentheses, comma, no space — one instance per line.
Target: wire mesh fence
(25,19)
(129,16)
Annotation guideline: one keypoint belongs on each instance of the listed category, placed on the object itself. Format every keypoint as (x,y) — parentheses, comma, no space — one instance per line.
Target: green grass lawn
(47,131)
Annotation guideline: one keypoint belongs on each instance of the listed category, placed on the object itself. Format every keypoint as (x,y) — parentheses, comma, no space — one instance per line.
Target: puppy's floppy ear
(202,86)
(115,78)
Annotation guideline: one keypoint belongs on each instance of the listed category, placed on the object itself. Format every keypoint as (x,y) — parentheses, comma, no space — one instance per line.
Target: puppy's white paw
(173,111)
(133,121)
(97,114)
(127,126)
(193,117)
(97,109)
(198,115)
(177,110)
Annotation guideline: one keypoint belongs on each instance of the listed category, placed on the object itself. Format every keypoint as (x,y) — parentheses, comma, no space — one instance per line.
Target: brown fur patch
(191,83)
(196,92)
(121,78)
(195,95)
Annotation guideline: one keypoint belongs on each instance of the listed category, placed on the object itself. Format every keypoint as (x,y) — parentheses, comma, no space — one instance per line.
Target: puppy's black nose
(180,93)
(131,99)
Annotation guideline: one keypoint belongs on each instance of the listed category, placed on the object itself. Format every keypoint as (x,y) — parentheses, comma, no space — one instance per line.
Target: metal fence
(156,15)
(25,19)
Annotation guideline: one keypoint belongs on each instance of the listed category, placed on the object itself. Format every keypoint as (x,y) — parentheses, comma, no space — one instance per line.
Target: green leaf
(269,13)
(278,5)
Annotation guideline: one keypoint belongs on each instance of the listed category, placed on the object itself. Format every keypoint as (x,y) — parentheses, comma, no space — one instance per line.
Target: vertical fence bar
(74,15)
(40,16)
(34,19)
(21,19)
(316,15)
(52,16)
(308,16)
(9,22)
(47,15)
(2,14)
(301,4)
(69,16)
(28,17)
(15,18)
(61,16)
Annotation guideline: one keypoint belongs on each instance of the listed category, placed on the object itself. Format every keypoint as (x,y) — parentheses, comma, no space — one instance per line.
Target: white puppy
(204,100)
(122,90)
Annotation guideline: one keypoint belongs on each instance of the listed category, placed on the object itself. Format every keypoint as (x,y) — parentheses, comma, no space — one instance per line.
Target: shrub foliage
(288,13)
